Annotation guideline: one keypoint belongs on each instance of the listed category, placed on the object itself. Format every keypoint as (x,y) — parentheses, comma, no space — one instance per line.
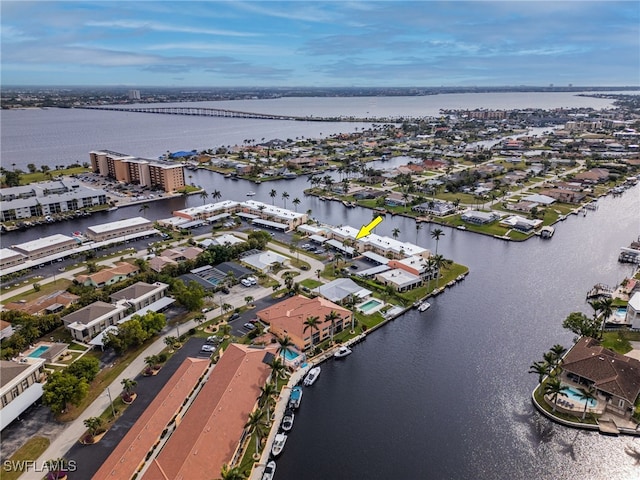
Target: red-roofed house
(212,431)
(288,317)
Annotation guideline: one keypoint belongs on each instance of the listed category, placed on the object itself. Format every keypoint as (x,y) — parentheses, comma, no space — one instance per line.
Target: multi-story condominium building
(43,247)
(47,198)
(20,386)
(167,176)
(119,228)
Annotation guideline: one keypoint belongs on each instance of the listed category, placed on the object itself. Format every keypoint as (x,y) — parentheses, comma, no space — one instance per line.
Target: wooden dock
(608,427)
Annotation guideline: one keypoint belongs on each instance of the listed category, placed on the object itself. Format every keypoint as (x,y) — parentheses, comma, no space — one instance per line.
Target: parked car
(249,326)
(224,290)
(252,280)
(208,348)
(234,315)
(213,339)
(245,282)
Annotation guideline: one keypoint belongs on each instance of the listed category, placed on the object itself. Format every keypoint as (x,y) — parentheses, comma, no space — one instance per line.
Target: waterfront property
(287,318)
(341,289)
(616,377)
(47,198)
(168,176)
(400,279)
(633,311)
(21,384)
(212,431)
(46,246)
(119,229)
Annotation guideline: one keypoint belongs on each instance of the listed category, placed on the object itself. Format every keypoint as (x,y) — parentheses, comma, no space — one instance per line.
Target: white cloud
(161,27)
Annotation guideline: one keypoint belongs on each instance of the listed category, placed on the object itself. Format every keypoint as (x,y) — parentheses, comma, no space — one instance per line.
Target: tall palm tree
(128,385)
(558,351)
(436,234)
(606,309)
(542,369)
(312,324)
(256,425)
(586,395)
(203,195)
(332,316)
(418,228)
(285,195)
(277,369)
(273,194)
(284,345)
(395,232)
(438,262)
(231,473)
(554,388)
(143,208)
(267,392)
(216,195)
(296,202)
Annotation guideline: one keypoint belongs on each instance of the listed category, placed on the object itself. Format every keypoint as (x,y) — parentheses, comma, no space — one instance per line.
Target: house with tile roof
(108,276)
(286,318)
(616,377)
(45,304)
(212,432)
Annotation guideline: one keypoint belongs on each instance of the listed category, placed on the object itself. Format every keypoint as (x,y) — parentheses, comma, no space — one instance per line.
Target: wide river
(444,394)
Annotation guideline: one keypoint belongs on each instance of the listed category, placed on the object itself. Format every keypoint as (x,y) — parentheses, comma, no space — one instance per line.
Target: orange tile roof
(289,316)
(210,431)
(133,448)
(104,275)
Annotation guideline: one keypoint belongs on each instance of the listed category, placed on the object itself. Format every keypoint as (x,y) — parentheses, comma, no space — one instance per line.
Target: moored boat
(250,194)
(342,352)
(287,420)
(312,376)
(296,397)
(278,444)
(547,231)
(269,470)
(424,306)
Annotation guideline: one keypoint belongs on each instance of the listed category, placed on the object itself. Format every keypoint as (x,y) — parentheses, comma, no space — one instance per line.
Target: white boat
(296,397)
(424,306)
(287,420)
(250,194)
(312,376)
(461,227)
(342,352)
(278,444)
(269,470)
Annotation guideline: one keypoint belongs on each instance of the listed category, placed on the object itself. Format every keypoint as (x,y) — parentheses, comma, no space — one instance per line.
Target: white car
(245,282)
(208,348)
(252,280)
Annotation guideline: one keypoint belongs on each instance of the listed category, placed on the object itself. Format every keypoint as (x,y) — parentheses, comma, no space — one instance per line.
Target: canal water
(445,394)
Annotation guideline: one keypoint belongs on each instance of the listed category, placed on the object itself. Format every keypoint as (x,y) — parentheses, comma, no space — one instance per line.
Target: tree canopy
(63,388)
(580,324)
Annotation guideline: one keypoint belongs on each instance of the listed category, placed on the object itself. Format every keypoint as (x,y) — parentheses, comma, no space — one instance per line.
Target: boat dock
(600,290)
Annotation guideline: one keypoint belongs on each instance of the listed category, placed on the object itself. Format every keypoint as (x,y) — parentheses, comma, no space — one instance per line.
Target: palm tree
(273,194)
(277,368)
(586,395)
(438,262)
(143,208)
(395,232)
(285,195)
(248,299)
(231,473)
(606,309)
(436,234)
(332,316)
(216,195)
(93,424)
(267,392)
(311,323)
(542,369)
(256,425)
(151,361)
(296,202)
(554,388)
(128,385)
(284,345)
(418,228)
(204,195)
(558,351)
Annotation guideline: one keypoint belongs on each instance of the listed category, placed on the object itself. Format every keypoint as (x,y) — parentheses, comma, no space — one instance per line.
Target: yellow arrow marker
(366,229)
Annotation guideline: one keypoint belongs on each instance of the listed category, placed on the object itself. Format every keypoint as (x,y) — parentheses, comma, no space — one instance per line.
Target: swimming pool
(573,395)
(38,351)
(290,355)
(370,305)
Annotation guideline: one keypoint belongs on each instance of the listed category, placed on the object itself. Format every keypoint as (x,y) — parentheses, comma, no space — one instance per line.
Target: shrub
(162,357)
(192,331)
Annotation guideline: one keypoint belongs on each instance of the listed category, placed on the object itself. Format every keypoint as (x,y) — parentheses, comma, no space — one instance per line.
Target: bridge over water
(219,112)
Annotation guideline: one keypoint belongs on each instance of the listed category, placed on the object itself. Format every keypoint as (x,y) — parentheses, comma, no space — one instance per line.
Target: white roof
(272,210)
(341,246)
(391,244)
(375,257)
(634,302)
(226,238)
(209,208)
(341,288)
(346,231)
(311,229)
(49,241)
(6,253)
(537,198)
(119,224)
(400,277)
(263,260)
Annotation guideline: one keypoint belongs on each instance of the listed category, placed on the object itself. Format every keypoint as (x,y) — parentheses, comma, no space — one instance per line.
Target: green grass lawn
(310,283)
(29,451)
(29,178)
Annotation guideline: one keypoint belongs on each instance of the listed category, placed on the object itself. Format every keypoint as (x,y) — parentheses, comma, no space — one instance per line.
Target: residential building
(20,387)
(564,195)
(86,323)
(158,174)
(633,311)
(140,294)
(341,289)
(173,256)
(616,377)
(43,247)
(212,431)
(120,229)
(400,279)
(479,218)
(286,318)
(47,198)
(520,223)
(435,207)
(52,303)
(10,258)
(108,276)
(131,452)
(416,265)
(6,329)
(264,261)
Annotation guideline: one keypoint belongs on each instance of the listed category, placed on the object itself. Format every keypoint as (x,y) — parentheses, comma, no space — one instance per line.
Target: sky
(310,43)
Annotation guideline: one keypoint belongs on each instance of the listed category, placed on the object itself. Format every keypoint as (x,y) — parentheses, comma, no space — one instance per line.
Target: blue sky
(318,44)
